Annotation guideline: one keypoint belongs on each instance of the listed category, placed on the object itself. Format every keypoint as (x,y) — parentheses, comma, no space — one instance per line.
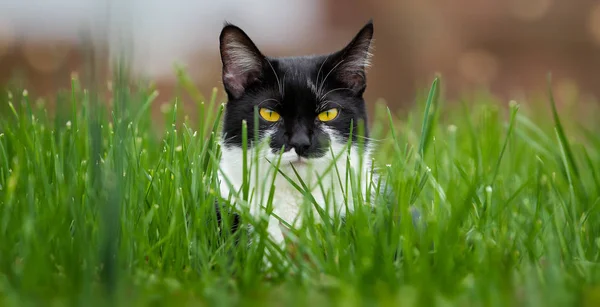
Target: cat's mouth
(292,158)
(299,161)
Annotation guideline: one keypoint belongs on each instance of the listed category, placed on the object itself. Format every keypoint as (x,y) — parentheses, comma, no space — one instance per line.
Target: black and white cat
(307,106)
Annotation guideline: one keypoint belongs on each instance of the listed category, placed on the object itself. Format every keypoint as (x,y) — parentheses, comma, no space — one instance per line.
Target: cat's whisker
(370,139)
(321,86)
(276,77)
(268,99)
(283,85)
(225,140)
(320,68)
(323,105)
(333,90)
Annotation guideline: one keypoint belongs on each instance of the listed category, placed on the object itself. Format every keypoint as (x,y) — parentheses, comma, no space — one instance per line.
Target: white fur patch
(288,201)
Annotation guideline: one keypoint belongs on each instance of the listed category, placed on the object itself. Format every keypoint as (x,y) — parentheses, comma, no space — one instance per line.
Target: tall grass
(493,204)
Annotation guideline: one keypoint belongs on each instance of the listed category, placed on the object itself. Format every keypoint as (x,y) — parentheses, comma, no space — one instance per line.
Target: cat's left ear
(353,60)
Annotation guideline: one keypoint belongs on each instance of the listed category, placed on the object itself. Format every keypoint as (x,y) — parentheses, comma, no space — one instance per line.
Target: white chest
(324,179)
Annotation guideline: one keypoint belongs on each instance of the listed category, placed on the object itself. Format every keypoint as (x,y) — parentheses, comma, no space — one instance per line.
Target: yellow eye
(328,115)
(269,115)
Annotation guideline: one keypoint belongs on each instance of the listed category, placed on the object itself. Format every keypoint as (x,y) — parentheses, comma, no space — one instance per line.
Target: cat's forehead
(299,74)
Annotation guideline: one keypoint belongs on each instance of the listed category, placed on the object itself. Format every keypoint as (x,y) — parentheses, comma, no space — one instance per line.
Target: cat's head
(305,104)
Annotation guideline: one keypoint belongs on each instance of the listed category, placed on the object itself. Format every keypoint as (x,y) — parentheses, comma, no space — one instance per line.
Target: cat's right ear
(242,61)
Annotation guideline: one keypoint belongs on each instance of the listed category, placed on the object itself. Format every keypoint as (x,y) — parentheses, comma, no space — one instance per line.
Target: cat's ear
(242,61)
(353,60)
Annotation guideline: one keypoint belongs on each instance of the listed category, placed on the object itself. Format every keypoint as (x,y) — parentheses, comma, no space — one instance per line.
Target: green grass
(100,206)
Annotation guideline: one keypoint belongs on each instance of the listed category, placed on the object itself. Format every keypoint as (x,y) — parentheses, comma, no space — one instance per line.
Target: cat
(308,106)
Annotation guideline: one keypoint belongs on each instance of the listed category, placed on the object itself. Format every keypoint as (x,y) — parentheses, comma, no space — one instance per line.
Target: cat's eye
(328,115)
(269,115)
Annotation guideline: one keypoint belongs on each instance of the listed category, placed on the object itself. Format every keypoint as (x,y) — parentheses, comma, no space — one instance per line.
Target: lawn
(100,206)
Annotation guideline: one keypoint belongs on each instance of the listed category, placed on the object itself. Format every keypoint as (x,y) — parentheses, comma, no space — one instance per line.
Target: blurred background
(506,46)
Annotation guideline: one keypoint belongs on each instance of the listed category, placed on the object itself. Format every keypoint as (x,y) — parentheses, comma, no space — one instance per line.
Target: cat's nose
(300,142)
